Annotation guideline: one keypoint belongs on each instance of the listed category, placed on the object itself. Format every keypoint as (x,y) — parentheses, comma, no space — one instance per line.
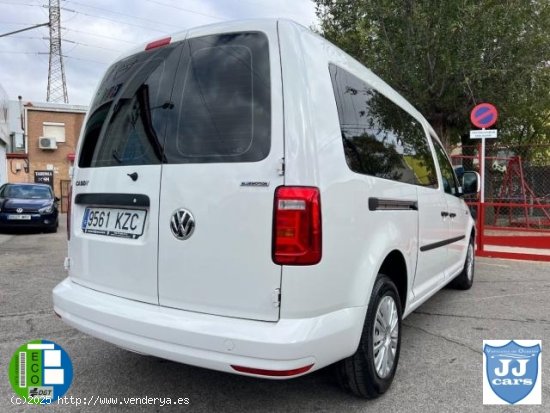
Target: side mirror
(471,183)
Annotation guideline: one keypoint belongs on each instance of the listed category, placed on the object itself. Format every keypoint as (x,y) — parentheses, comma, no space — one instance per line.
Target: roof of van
(229,25)
(214,27)
(372,78)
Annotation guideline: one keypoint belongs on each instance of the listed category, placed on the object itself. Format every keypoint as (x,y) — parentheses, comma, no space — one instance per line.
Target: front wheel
(369,372)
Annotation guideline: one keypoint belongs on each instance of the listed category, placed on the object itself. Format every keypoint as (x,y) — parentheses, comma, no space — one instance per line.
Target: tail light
(297,226)
(69,205)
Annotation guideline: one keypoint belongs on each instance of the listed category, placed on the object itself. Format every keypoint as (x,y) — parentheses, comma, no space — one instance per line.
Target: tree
(447,56)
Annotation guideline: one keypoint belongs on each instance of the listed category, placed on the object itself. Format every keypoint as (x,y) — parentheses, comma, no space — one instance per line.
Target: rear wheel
(465,279)
(369,372)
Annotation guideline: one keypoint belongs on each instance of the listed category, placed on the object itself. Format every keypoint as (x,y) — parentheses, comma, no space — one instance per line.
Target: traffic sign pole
(482,171)
(483,116)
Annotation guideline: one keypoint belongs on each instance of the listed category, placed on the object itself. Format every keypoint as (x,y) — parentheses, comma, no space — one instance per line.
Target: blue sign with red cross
(484,115)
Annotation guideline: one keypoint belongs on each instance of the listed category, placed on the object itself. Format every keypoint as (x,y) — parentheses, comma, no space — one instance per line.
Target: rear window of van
(203,100)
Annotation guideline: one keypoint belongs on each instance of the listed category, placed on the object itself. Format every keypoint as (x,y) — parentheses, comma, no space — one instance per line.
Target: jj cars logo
(512,372)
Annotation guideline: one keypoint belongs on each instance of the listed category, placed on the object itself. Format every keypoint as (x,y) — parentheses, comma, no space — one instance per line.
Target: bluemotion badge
(40,372)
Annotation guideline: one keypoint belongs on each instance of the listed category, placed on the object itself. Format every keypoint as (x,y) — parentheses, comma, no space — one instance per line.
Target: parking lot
(440,367)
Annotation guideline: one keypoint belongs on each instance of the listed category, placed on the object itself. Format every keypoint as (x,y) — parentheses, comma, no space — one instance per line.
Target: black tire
(465,279)
(358,373)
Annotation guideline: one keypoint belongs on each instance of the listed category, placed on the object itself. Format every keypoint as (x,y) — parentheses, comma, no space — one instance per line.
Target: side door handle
(444,214)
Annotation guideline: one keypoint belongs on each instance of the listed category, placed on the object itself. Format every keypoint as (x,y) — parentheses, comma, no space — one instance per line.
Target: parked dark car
(28,206)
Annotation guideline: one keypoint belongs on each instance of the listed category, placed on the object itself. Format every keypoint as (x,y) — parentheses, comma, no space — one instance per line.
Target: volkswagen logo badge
(182,224)
(19,210)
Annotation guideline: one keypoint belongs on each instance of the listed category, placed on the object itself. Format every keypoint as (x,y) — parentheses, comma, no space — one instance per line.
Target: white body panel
(120,266)
(354,249)
(225,268)
(458,226)
(216,286)
(432,264)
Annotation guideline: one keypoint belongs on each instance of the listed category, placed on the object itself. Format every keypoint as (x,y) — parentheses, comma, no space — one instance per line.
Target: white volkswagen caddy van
(249,198)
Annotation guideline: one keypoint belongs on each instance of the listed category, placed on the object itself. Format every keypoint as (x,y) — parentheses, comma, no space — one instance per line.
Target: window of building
(54,130)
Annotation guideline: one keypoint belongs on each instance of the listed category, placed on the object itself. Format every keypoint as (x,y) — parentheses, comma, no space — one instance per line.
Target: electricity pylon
(57,85)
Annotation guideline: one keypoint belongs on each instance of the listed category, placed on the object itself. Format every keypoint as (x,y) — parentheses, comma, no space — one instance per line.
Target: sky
(96,32)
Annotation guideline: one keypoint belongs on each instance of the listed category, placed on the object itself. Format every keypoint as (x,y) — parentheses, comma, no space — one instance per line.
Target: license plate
(113,222)
(19,217)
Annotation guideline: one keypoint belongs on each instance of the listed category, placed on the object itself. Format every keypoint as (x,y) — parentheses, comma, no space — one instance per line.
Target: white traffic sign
(483,134)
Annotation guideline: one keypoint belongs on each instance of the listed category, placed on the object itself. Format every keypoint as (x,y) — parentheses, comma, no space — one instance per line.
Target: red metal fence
(514,221)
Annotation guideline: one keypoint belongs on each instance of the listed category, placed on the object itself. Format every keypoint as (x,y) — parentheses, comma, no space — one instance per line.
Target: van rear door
(114,235)
(224,152)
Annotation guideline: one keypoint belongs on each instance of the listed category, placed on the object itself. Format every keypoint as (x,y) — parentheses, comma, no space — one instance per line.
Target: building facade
(51,133)
(4,136)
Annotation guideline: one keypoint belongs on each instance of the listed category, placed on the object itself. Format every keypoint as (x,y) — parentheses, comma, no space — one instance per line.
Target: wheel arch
(394,266)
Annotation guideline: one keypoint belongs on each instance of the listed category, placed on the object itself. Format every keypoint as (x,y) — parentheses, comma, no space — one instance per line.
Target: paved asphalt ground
(440,369)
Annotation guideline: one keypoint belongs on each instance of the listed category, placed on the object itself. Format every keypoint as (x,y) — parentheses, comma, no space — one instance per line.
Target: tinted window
(380,138)
(207,99)
(450,184)
(127,120)
(222,101)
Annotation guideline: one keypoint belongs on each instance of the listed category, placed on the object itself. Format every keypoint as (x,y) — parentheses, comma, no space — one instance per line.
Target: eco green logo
(40,372)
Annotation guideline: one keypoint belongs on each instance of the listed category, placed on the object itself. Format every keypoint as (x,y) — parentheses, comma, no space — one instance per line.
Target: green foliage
(447,56)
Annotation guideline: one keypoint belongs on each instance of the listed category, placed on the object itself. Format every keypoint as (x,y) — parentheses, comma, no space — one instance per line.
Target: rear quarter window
(379,137)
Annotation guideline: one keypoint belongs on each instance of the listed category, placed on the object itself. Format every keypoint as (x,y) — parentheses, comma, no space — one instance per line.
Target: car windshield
(27,192)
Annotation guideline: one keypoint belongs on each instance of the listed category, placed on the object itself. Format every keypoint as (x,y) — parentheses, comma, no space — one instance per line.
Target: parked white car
(249,198)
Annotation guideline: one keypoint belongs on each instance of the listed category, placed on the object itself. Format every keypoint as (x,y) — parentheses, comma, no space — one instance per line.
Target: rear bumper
(209,341)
